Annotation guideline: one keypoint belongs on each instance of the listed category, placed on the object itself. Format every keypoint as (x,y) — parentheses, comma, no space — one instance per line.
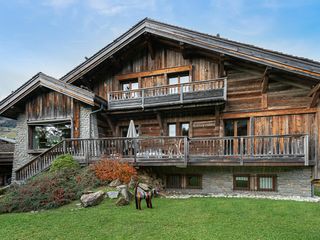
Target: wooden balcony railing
(174,151)
(197,91)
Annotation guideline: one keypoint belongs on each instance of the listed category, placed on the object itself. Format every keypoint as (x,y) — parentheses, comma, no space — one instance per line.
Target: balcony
(280,150)
(193,92)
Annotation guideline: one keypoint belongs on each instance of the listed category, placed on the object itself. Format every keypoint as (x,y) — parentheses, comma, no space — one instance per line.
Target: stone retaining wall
(294,181)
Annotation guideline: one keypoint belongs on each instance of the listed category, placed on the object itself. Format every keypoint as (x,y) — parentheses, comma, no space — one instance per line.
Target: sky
(54,36)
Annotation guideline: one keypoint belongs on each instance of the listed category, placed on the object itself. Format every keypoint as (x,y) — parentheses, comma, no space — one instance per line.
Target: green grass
(197,218)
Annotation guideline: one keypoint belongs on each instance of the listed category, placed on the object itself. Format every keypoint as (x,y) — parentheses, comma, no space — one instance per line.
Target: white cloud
(59,4)
(113,7)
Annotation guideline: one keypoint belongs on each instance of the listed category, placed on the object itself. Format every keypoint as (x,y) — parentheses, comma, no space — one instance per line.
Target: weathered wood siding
(49,105)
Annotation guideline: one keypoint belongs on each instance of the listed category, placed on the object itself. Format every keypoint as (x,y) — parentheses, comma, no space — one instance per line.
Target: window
(185,129)
(266,182)
(173,181)
(128,86)
(47,135)
(178,78)
(235,128)
(241,182)
(193,181)
(172,130)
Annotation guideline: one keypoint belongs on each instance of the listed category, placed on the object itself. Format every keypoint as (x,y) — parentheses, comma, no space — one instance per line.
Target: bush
(49,190)
(64,162)
(109,170)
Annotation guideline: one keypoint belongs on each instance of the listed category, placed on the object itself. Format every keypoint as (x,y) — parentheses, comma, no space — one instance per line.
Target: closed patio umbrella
(132,132)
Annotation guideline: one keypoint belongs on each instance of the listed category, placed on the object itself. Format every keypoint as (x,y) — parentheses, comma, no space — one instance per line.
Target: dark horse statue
(142,191)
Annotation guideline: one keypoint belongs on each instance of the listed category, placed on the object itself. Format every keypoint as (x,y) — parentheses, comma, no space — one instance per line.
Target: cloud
(113,7)
(59,4)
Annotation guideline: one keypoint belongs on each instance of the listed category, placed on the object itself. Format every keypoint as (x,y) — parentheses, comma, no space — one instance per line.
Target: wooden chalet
(211,115)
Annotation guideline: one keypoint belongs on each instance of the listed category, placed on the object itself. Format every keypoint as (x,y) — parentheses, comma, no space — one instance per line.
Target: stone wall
(85,113)
(21,156)
(219,180)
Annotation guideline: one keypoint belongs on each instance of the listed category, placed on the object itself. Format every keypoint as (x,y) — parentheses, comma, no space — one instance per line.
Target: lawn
(197,218)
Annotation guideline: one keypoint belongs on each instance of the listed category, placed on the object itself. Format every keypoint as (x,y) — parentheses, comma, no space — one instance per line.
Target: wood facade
(158,79)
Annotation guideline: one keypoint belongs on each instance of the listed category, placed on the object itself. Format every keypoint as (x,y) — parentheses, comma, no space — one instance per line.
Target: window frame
(180,181)
(239,188)
(32,124)
(199,176)
(274,182)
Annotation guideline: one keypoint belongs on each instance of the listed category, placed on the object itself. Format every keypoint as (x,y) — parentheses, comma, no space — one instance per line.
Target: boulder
(122,187)
(115,183)
(122,202)
(124,192)
(92,199)
(132,183)
(113,194)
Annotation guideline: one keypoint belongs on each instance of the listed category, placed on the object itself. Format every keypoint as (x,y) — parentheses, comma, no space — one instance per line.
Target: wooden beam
(110,123)
(314,90)
(160,121)
(153,73)
(222,72)
(217,114)
(268,113)
(315,99)
(150,45)
(265,80)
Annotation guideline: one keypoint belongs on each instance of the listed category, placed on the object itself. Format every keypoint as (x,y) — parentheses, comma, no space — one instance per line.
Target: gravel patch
(275,197)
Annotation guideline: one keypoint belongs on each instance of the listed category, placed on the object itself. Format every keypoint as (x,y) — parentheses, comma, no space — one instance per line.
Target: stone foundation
(290,181)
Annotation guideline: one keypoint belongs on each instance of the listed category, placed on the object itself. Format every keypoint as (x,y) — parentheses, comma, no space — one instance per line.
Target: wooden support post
(265,80)
(160,122)
(217,114)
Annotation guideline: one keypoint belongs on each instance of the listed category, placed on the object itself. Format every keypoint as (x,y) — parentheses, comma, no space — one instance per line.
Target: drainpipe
(90,115)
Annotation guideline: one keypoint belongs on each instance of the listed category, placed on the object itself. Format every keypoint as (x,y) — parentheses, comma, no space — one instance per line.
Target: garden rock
(132,183)
(122,202)
(122,186)
(115,183)
(126,194)
(92,199)
(113,194)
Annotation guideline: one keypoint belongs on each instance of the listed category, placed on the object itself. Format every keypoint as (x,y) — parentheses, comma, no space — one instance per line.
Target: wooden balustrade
(157,151)
(174,94)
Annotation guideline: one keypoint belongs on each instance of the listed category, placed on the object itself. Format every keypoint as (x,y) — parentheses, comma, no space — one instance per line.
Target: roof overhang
(42,80)
(297,65)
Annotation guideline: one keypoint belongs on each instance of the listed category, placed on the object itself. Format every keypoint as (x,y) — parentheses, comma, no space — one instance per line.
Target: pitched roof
(298,65)
(41,79)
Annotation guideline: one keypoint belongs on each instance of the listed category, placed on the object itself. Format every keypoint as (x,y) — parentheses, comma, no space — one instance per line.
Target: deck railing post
(186,150)
(87,153)
(142,98)
(64,147)
(306,150)
(109,99)
(135,149)
(241,151)
(181,93)
(225,89)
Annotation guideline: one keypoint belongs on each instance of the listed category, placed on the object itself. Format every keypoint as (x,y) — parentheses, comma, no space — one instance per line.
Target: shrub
(64,162)
(109,170)
(49,190)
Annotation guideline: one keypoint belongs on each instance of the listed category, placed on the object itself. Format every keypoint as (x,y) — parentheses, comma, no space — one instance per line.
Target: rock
(122,202)
(115,183)
(132,183)
(122,186)
(126,194)
(92,199)
(113,194)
